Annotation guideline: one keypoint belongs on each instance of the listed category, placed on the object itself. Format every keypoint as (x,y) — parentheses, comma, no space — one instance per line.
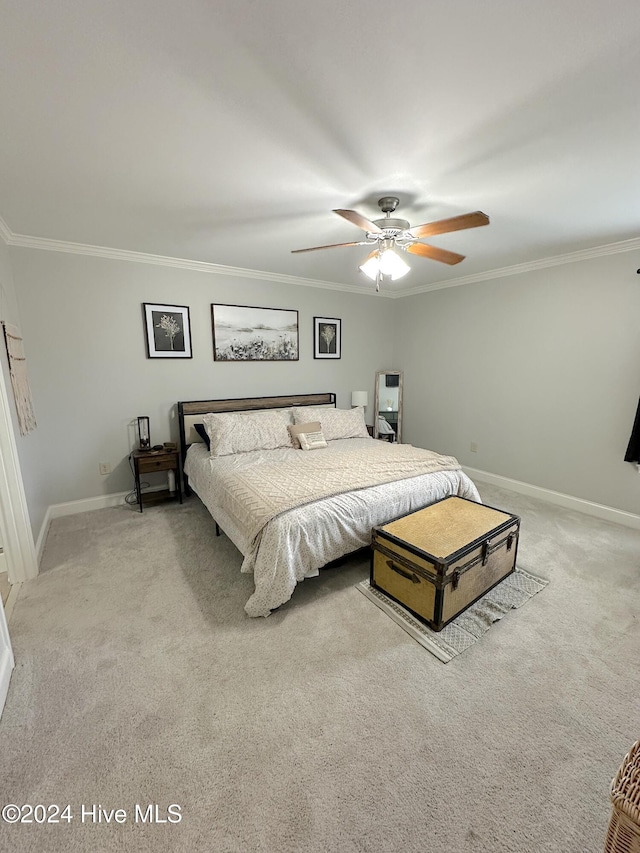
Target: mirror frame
(380,373)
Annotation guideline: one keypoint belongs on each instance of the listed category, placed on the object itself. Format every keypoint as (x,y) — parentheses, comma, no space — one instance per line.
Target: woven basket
(623,835)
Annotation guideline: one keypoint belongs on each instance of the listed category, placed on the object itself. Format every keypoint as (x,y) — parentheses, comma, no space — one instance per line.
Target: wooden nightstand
(152,461)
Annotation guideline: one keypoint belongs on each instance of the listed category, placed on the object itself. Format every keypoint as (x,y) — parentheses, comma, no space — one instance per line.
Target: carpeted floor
(325,727)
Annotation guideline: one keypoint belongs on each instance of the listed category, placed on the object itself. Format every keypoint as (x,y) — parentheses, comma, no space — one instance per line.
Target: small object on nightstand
(151,461)
(144,437)
(170,445)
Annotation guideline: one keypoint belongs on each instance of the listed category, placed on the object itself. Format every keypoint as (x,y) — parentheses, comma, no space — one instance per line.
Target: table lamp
(143,433)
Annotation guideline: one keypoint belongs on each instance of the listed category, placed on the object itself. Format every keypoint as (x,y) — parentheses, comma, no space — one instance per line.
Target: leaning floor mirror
(388,405)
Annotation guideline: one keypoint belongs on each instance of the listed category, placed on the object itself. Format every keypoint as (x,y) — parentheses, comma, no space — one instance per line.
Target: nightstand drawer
(157,463)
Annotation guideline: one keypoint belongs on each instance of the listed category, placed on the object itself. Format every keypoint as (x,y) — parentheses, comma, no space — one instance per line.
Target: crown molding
(49,245)
(542,263)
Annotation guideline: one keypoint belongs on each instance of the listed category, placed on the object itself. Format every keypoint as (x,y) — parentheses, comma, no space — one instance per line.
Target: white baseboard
(607,513)
(84,505)
(71,508)
(11,600)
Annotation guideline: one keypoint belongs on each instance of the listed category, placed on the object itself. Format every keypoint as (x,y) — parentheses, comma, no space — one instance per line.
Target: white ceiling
(226,131)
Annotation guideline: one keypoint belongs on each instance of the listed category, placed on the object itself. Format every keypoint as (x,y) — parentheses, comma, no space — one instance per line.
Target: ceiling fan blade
(435,254)
(330,246)
(359,220)
(456,223)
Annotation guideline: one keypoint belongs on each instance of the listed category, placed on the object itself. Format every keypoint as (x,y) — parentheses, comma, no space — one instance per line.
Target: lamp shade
(360,398)
(386,262)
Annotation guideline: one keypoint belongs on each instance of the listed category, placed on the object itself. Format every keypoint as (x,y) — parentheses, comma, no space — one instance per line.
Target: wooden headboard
(188,411)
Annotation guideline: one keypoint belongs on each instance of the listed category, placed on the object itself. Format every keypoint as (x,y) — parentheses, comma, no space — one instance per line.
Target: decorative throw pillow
(242,432)
(337,423)
(296,429)
(199,428)
(312,440)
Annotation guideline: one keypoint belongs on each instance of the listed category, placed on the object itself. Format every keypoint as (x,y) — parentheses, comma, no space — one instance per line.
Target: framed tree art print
(168,330)
(327,337)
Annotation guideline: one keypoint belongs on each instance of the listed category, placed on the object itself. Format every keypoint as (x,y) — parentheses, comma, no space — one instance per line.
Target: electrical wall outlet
(474,446)
(105,468)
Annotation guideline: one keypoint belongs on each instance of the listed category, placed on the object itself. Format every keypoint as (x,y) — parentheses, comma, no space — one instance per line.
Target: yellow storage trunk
(438,561)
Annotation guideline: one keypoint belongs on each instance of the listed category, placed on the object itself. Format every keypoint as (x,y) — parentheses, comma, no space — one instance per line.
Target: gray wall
(541,370)
(90,377)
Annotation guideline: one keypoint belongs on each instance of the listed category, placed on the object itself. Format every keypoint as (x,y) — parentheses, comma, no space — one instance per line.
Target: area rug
(467,628)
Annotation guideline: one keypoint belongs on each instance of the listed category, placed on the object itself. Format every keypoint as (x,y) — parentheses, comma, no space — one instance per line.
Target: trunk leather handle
(410,576)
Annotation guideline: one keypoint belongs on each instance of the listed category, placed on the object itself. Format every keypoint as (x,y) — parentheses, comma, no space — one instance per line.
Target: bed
(291,512)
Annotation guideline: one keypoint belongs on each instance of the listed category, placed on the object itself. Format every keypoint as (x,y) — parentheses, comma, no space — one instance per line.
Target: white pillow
(336,423)
(241,432)
(311,440)
(296,429)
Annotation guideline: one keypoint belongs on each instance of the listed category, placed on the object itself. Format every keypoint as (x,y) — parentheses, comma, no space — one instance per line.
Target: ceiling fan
(387,234)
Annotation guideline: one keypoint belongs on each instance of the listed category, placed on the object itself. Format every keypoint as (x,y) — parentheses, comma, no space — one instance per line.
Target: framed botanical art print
(245,333)
(327,337)
(168,330)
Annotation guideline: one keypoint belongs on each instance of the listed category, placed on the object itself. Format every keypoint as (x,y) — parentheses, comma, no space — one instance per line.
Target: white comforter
(296,544)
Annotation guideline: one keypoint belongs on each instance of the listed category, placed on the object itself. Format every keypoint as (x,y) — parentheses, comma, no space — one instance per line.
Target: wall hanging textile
(19,378)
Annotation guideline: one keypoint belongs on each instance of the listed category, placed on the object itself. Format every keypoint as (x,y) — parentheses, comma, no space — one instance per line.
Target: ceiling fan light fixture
(392,264)
(387,263)
(390,234)
(371,267)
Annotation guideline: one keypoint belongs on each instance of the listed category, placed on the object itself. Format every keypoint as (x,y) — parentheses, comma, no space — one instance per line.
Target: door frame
(15,529)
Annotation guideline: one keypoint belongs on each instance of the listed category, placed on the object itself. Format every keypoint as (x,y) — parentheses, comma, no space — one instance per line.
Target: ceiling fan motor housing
(391,224)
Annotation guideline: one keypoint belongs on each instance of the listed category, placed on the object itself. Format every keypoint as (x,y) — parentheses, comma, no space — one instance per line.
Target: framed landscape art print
(245,333)
(327,337)
(168,330)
